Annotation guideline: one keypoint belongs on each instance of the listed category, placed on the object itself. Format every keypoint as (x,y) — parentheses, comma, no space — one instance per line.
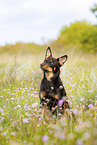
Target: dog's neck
(50,76)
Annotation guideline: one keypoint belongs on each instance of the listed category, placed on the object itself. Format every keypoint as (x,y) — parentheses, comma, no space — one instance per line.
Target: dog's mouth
(45,67)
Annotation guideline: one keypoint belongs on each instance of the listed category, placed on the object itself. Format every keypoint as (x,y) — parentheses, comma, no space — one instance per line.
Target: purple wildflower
(25,120)
(1,110)
(60,102)
(90,105)
(79,142)
(83,106)
(75,111)
(13,99)
(39,119)
(45,138)
(7,99)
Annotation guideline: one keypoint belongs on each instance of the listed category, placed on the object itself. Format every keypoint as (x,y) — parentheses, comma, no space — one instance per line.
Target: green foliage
(83,35)
(94,9)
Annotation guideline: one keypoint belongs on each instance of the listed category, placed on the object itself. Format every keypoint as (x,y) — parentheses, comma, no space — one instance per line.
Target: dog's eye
(51,61)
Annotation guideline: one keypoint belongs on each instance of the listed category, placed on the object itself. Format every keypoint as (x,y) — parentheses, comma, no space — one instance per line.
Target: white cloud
(30,20)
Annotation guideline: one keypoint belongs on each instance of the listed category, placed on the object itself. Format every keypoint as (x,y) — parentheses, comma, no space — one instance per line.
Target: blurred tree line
(22,48)
(81,34)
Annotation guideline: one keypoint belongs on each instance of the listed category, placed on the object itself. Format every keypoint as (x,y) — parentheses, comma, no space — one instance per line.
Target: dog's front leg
(62,99)
(43,111)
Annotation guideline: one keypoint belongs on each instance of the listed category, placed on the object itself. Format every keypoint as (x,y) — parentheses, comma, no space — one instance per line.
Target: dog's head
(51,66)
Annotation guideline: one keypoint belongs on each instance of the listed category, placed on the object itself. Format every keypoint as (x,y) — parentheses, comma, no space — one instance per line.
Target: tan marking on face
(47,67)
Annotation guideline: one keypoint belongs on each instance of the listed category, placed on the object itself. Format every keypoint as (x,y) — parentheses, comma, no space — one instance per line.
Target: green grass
(20,115)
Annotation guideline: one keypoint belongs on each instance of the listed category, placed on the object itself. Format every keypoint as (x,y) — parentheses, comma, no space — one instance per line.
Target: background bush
(82,35)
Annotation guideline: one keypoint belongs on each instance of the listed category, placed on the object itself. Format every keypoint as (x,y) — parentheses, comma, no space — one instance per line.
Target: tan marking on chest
(49,75)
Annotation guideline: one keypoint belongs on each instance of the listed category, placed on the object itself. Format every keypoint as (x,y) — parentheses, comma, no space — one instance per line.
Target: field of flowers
(20,115)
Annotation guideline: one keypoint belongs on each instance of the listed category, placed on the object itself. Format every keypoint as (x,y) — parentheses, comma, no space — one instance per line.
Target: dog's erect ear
(48,52)
(61,60)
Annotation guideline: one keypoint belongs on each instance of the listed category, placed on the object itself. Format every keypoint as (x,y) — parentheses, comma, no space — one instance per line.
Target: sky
(39,21)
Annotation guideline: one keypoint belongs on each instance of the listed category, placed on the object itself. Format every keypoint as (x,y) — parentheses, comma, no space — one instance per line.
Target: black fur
(51,88)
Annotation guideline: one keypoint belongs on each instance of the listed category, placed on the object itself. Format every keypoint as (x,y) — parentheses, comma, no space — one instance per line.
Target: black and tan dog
(52,91)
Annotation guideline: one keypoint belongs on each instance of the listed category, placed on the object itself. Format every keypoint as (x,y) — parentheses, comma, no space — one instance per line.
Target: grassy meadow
(20,115)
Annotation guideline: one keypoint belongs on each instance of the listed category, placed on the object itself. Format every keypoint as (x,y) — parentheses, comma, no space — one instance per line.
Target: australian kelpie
(52,92)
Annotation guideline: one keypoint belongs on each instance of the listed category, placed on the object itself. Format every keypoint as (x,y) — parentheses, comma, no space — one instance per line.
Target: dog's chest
(49,76)
(49,87)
